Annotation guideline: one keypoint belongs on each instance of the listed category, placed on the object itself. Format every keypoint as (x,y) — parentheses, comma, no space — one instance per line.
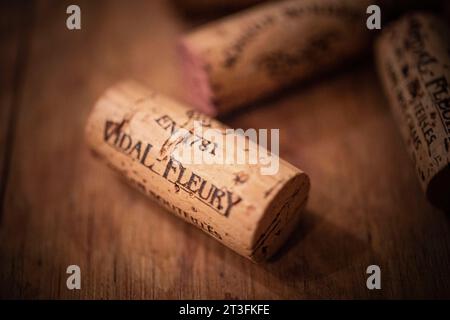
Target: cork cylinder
(143,135)
(413,58)
(244,57)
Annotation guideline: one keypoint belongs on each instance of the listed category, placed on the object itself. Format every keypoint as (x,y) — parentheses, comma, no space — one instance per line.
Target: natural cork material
(413,57)
(136,131)
(244,57)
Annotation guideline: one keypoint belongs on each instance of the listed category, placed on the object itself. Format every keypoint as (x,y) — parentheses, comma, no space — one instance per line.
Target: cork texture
(413,58)
(136,131)
(244,57)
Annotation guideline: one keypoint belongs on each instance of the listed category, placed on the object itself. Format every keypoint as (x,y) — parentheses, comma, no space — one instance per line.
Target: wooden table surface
(60,206)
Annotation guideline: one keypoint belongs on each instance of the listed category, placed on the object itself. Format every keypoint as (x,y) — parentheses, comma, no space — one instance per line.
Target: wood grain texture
(63,207)
(14,30)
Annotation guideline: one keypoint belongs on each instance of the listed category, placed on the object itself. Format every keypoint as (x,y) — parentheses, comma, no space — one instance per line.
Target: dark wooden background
(60,206)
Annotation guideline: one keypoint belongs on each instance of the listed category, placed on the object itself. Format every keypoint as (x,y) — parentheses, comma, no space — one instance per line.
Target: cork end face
(281,217)
(198,92)
(438,191)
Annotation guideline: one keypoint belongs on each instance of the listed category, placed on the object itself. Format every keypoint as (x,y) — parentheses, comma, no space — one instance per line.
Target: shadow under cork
(268,101)
(319,246)
(316,250)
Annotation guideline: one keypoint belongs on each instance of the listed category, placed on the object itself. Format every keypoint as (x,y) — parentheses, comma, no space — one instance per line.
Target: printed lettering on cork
(137,133)
(413,57)
(247,56)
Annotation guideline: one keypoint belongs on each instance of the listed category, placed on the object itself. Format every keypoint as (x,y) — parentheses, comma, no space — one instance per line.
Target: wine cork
(236,60)
(413,58)
(143,135)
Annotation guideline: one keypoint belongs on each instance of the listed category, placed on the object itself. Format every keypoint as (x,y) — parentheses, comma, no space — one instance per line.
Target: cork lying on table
(246,56)
(413,57)
(141,134)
